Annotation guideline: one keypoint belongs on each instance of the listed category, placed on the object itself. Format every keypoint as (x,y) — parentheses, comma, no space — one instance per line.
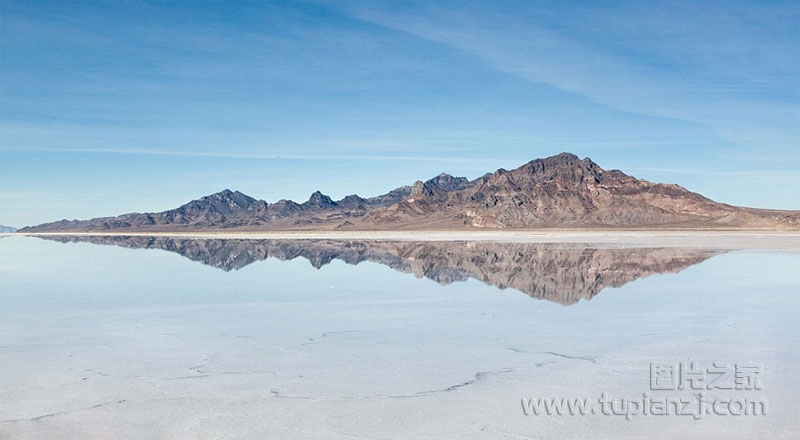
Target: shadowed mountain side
(554,272)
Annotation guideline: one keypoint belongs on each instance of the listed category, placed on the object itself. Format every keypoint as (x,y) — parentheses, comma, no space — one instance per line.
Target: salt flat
(719,239)
(107,342)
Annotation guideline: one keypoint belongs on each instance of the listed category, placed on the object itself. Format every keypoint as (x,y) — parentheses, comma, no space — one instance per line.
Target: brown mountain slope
(558,191)
(564,191)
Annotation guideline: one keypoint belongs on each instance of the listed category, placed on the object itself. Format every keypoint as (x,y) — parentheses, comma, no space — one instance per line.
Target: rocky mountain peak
(446,182)
(565,167)
(561,160)
(224,201)
(352,201)
(317,200)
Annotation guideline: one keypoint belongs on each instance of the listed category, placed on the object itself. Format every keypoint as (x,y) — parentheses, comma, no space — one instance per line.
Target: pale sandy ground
(720,239)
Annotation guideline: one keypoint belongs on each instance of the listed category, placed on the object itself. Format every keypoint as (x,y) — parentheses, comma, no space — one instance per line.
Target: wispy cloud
(756,175)
(706,64)
(260,156)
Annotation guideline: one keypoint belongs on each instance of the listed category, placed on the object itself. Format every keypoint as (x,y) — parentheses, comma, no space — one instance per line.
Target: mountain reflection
(563,273)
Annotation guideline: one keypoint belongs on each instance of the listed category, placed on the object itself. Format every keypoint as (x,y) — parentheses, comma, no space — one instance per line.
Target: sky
(128,106)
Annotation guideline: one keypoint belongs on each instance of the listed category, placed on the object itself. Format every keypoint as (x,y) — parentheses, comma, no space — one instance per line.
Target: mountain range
(561,191)
(7,229)
(560,273)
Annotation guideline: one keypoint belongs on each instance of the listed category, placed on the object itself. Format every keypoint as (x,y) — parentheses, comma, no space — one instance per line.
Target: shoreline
(722,239)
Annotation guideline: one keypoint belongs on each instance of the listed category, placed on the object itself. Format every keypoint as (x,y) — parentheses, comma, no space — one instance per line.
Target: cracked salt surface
(171,349)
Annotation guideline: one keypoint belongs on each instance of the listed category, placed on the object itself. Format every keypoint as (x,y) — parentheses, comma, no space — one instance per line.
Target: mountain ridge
(561,191)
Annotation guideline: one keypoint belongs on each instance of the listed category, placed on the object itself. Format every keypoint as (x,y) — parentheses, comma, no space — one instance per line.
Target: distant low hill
(561,191)
(7,229)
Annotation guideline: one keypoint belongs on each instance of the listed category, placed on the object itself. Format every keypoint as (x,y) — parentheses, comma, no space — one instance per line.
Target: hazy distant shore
(723,239)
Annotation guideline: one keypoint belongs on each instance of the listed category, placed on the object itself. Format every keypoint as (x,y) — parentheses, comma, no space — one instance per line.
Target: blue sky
(111,107)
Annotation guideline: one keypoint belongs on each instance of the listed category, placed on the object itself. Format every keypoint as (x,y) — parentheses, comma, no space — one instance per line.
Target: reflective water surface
(125,340)
(562,273)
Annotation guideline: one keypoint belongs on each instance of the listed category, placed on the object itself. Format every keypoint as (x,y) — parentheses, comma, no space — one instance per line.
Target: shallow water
(178,338)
